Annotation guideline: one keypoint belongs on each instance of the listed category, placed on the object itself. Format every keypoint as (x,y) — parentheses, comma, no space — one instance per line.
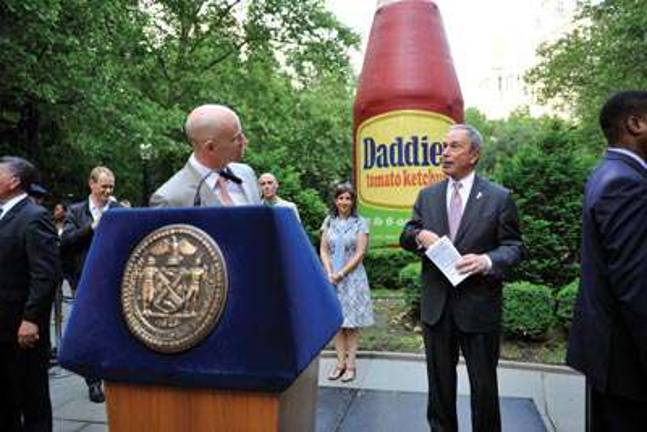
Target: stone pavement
(388,394)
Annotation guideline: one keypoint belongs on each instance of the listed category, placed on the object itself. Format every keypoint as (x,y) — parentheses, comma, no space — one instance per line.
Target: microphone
(197,201)
(227,173)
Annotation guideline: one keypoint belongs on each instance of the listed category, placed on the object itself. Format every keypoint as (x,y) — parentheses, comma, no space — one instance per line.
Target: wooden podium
(257,370)
(135,408)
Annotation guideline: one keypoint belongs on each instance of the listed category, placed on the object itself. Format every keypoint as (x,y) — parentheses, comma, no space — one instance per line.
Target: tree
(605,52)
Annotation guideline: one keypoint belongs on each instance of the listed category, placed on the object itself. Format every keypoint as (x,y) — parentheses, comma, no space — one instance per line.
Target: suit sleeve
(157,200)
(75,235)
(510,249)
(44,267)
(412,228)
(620,215)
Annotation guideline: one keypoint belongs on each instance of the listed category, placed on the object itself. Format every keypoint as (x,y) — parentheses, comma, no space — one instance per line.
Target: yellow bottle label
(396,154)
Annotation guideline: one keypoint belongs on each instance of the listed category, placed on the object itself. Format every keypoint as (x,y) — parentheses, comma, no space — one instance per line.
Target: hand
(426,238)
(472,264)
(335,278)
(27,334)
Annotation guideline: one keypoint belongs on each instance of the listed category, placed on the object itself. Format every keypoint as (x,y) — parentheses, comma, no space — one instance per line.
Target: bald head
(215,135)
(269,185)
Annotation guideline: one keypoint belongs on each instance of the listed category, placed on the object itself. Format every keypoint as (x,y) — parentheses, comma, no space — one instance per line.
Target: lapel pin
(478,195)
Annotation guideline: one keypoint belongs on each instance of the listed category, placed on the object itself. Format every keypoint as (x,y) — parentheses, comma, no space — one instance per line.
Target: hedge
(384,265)
(409,278)
(565,303)
(528,310)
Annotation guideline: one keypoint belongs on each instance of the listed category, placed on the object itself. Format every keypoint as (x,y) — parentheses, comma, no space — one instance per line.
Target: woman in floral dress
(344,242)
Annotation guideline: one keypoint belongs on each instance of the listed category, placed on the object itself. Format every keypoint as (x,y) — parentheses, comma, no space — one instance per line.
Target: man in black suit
(481,220)
(29,274)
(81,220)
(608,337)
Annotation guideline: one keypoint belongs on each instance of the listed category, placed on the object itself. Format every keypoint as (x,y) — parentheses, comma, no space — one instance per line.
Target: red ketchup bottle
(408,97)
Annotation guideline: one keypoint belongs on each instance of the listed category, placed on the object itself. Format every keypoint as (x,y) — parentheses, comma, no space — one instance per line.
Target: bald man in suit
(213,175)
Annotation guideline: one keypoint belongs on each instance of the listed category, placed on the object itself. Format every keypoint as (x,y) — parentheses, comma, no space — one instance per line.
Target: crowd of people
(609,338)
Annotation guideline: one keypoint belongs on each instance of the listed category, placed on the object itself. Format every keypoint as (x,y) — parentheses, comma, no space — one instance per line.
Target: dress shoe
(95,393)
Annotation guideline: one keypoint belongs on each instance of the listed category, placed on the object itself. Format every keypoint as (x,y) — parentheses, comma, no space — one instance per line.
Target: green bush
(409,280)
(566,302)
(527,310)
(383,267)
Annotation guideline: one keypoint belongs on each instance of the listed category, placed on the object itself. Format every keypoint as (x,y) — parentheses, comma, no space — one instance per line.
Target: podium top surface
(279,313)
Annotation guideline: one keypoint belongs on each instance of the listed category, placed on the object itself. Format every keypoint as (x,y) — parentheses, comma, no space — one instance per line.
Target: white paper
(445,256)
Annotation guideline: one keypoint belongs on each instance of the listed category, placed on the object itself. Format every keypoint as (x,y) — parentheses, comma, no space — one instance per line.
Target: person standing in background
(344,242)
(269,188)
(80,223)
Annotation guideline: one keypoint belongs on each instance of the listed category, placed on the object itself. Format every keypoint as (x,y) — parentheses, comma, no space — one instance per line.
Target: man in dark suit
(29,274)
(608,337)
(81,220)
(481,220)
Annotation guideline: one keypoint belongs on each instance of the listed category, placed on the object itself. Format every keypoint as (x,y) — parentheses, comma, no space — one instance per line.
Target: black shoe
(95,393)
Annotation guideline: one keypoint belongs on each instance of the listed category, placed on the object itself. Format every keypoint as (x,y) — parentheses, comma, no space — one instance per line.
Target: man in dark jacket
(480,218)
(29,275)
(81,220)
(608,338)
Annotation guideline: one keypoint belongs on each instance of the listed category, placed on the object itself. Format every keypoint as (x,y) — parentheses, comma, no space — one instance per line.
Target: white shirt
(467,182)
(95,210)
(630,154)
(11,203)
(235,190)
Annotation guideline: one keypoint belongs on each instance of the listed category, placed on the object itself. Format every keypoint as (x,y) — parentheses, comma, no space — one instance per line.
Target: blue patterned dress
(353,290)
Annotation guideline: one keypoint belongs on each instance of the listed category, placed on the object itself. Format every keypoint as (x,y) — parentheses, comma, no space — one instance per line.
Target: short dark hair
(617,108)
(342,188)
(21,168)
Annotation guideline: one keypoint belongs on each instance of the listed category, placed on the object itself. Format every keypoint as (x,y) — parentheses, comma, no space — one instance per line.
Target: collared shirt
(95,210)
(280,202)
(11,203)
(235,190)
(467,182)
(630,154)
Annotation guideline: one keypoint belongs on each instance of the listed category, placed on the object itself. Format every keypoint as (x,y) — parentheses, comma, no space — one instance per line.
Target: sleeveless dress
(353,290)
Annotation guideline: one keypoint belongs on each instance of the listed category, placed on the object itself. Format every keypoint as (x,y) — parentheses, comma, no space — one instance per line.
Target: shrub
(527,310)
(383,266)
(565,303)
(409,280)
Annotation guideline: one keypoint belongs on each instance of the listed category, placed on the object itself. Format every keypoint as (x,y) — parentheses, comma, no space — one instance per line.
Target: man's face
(9,183)
(59,212)
(269,186)
(102,188)
(459,158)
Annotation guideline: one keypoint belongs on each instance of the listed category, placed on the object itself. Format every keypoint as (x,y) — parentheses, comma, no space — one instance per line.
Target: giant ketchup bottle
(408,96)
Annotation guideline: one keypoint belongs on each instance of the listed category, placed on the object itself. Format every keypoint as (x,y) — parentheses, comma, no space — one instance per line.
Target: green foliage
(527,310)
(603,53)
(110,82)
(383,267)
(546,175)
(565,303)
(409,279)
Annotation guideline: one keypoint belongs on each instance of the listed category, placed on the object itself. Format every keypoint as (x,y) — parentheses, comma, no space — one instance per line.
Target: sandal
(336,373)
(349,375)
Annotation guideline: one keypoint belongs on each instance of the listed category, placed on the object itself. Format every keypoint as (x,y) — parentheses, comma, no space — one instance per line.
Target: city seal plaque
(174,288)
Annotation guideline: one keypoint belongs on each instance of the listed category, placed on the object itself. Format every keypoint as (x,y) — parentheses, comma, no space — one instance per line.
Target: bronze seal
(174,288)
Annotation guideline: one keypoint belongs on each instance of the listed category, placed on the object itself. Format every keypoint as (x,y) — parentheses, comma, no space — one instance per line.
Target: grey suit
(179,190)
(468,315)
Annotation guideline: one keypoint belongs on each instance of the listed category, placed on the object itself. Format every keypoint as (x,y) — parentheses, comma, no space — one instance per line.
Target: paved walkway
(557,392)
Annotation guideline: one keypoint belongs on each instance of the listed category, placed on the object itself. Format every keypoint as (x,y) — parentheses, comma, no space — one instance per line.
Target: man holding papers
(479,220)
